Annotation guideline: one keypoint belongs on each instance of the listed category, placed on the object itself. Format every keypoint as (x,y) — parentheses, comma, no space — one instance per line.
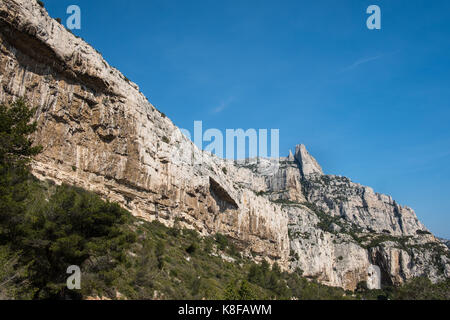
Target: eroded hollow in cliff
(221,196)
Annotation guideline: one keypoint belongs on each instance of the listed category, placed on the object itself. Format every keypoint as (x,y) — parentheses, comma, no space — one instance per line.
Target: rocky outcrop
(284,183)
(331,258)
(339,253)
(308,165)
(342,233)
(100,133)
(446,242)
(338,196)
(401,259)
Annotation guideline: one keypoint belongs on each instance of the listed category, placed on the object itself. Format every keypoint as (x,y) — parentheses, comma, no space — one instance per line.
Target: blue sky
(373,105)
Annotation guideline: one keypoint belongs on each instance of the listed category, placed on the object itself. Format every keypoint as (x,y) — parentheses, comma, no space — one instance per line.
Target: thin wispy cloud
(223,105)
(362,61)
(365,60)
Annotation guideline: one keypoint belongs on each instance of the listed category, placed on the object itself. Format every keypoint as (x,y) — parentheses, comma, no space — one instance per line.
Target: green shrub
(231,292)
(245,292)
(159,252)
(192,248)
(222,241)
(422,289)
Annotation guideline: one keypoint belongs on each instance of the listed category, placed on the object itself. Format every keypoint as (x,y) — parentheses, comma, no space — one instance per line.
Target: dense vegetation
(45,228)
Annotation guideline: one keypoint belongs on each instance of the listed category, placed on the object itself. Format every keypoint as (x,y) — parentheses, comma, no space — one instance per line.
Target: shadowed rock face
(100,133)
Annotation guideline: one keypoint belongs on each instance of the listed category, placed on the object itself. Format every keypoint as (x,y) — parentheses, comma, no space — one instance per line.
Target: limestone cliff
(445,241)
(99,132)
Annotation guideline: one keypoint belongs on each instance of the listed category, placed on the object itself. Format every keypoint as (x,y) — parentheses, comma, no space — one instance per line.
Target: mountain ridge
(98,131)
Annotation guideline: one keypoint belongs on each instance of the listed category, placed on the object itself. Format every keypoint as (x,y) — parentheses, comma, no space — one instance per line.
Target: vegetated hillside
(122,257)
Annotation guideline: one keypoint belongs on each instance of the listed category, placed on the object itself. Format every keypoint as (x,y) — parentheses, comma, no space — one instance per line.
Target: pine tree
(231,292)
(245,292)
(16,148)
(16,151)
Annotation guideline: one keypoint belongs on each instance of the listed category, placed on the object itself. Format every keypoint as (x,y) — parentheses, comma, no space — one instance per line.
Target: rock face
(99,132)
(308,165)
(340,197)
(446,242)
(331,258)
